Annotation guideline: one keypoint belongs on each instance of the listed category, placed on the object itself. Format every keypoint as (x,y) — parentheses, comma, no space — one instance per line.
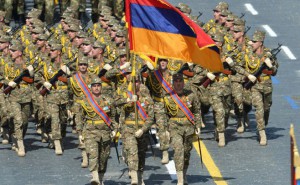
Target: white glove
(12,84)
(30,70)
(197,131)
(190,64)
(229,61)
(65,69)
(252,78)
(149,65)
(139,133)
(70,114)
(81,139)
(107,67)
(132,99)
(211,76)
(268,62)
(167,135)
(47,85)
(125,65)
(113,134)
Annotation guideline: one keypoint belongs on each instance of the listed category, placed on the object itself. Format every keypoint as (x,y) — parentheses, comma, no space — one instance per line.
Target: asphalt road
(242,161)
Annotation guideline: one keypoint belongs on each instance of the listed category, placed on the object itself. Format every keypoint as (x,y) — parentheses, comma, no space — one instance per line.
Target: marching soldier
(99,128)
(183,123)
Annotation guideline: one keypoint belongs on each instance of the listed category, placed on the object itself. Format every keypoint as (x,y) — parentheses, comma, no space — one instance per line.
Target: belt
(179,119)
(62,87)
(158,99)
(264,78)
(105,84)
(78,101)
(133,122)
(23,85)
(95,122)
(222,79)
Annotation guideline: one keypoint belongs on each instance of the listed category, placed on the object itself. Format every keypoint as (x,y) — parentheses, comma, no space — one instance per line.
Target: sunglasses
(82,64)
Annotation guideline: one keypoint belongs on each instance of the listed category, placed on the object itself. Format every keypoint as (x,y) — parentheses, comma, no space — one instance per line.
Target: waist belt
(95,122)
(222,79)
(158,99)
(105,84)
(133,122)
(264,78)
(179,119)
(23,85)
(62,87)
(79,101)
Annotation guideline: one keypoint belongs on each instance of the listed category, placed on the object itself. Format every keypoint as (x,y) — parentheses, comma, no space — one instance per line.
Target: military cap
(99,44)
(259,36)
(177,76)
(230,17)
(120,33)
(220,7)
(162,59)
(2,13)
(56,46)
(218,37)
(238,28)
(74,28)
(112,22)
(88,40)
(184,8)
(16,46)
(37,22)
(66,15)
(107,17)
(225,12)
(239,21)
(224,4)
(96,80)
(34,13)
(121,51)
(42,37)
(4,39)
(38,30)
(83,59)
(81,34)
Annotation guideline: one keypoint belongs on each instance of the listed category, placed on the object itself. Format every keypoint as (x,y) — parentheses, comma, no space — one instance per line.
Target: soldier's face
(104,24)
(3,45)
(40,43)
(82,67)
(118,39)
(113,34)
(72,34)
(86,48)
(96,51)
(229,24)
(123,59)
(96,89)
(256,44)
(237,34)
(54,53)
(78,41)
(222,19)
(15,54)
(217,15)
(163,64)
(178,85)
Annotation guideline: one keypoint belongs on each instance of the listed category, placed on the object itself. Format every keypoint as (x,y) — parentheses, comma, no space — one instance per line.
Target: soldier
(158,93)
(118,8)
(98,130)
(182,124)
(135,137)
(261,91)
(57,98)
(211,24)
(20,96)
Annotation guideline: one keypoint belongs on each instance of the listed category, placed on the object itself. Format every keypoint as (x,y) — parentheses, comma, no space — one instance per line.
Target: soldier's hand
(125,65)
(197,131)
(47,85)
(139,133)
(107,67)
(113,134)
(211,76)
(132,99)
(252,78)
(65,69)
(167,135)
(268,62)
(81,139)
(149,65)
(30,70)
(229,61)
(12,84)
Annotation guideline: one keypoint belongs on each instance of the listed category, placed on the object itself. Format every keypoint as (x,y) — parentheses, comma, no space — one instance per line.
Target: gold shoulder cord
(10,73)
(76,89)
(157,88)
(255,64)
(89,110)
(173,109)
(46,74)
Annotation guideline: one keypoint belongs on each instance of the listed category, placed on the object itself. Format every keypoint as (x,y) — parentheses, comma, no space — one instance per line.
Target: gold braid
(173,109)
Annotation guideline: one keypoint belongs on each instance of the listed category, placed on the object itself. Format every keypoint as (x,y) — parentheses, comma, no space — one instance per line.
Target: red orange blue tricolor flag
(159,29)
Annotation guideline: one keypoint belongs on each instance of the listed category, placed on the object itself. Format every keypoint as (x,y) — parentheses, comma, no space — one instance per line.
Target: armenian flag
(159,29)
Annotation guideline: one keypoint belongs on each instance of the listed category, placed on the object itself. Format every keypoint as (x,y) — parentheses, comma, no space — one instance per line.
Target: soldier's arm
(196,110)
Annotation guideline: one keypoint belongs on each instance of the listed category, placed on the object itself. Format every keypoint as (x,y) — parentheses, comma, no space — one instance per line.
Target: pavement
(242,161)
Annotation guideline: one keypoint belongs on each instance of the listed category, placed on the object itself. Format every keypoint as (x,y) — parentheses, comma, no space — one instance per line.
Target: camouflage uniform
(96,133)
(181,129)
(135,147)
(118,8)
(8,6)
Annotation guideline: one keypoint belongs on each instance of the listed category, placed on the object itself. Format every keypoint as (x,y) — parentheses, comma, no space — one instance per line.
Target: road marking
(171,169)
(292,103)
(251,9)
(269,30)
(209,163)
(288,52)
(275,80)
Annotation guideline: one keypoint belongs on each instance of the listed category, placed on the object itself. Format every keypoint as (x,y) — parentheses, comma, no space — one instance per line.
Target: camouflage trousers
(261,94)
(97,148)
(57,119)
(182,143)
(21,113)
(221,107)
(237,94)
(162,124)
(134,148)
(49,9)
(118,8)
(8,5)
(96,6)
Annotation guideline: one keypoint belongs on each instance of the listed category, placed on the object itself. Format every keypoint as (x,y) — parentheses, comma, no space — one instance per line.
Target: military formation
(80,75)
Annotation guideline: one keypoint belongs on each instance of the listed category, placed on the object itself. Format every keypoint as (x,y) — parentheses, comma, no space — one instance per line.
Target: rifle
(199,145)
(54,79)
(19,78)
(242,15)
(184,67)
(200,14)
(247,29)
(274,52)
